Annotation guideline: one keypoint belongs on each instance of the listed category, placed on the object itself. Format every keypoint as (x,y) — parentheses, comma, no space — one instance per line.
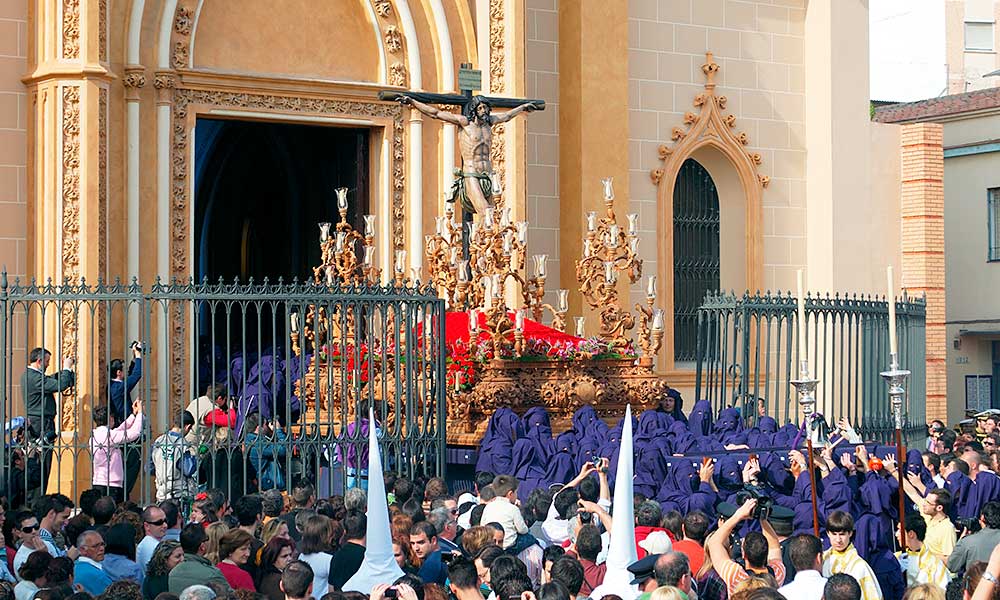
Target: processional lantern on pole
(896,378)
(805,388)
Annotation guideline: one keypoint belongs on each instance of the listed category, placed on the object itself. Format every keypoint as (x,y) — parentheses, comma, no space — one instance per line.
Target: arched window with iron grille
(696,253)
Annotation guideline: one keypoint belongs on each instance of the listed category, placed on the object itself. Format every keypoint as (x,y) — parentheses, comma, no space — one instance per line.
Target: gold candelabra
(472,272)
(609,251)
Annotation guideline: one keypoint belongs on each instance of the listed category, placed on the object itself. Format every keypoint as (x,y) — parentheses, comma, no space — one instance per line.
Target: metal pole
(805,386)
(896,377)
(812,476)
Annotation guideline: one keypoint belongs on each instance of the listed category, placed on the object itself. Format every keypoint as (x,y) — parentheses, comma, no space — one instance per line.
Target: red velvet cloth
(457,328)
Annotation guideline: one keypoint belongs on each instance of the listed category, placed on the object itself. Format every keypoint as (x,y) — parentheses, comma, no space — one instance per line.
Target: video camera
(764,502)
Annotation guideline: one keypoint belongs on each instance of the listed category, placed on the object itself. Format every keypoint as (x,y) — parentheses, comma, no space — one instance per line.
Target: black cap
(642,569)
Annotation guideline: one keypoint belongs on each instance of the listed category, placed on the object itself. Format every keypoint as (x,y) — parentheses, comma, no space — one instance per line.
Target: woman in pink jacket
(106,447)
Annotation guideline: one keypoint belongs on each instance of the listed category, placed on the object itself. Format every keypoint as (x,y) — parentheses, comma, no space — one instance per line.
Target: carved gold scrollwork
(383,8)
(393,40)
(656,175)
(397,75)
(677,134)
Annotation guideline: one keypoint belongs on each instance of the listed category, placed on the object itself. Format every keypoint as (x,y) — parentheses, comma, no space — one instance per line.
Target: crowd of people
(666,506)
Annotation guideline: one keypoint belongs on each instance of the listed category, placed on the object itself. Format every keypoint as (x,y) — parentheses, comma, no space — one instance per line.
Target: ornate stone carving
(656,175)
(102,31)
(393,39)
(383,8)
(677,133)
(135,77)
(71,28)
(70,227)
(179,60)
(183,20)
(102,184)
(397,75)
(164,82)
(561,387)
(764,180)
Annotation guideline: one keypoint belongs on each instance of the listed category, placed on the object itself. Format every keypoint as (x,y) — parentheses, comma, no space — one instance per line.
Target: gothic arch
(708,136)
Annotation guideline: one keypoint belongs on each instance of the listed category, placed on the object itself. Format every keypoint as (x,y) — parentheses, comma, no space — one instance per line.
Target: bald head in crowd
(673,569)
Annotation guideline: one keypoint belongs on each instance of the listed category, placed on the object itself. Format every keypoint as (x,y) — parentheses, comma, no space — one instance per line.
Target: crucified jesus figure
(474,183)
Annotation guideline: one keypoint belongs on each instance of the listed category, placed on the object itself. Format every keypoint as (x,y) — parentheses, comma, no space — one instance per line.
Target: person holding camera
(105,447)
(972,548)
(39,392)
(120,389)
(757,557)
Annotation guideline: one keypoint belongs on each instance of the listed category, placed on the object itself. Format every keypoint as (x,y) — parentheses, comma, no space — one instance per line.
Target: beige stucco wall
(759,47)
(13,135)
(966,68)
(973,281)
(542,144)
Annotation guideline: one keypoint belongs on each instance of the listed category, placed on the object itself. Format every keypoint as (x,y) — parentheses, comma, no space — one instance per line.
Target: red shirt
(641,532)
(238,578)
(593,576)
(694,552)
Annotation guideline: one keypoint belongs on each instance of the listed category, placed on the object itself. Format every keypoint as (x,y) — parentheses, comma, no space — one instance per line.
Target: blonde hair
(706,564)
(924,591)
(756,582)
(215,532)
(666,592)
(270,530)
(476,538)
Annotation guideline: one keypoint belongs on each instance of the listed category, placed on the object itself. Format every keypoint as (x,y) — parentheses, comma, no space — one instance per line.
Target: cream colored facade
(971,44)
(99,100)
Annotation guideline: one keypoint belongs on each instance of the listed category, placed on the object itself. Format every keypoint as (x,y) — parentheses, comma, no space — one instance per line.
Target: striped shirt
(733,574)
(849,562)
(924,567)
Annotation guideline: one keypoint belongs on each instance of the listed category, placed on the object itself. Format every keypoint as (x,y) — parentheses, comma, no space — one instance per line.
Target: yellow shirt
(924,567)
(849,562)
(941,537)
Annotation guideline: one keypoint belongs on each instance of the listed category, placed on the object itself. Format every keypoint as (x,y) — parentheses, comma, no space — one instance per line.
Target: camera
(136,345)
(585,517)
(764,502)
(972,524)
(390,593)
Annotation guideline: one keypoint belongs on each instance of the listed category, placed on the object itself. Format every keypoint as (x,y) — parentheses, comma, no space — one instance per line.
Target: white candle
(473,320)
(488,292)
(613,236)
(651,287)
(341,198)
(488,220)
(505,216)
(563,296)
(454,255)
(340,241)
(329,275)
(400,261)
(369,253)
(892,310)
(463,271)
(324,232)
(802,317)
(294,322)
(458,381)
(591,221)
(472,230)
(415,273)
(610,273)
(540,264)
(369,225)
(519,319)
(586,248)
(439,225)
(657,320)
(579,326)
(633,223)
(522,232)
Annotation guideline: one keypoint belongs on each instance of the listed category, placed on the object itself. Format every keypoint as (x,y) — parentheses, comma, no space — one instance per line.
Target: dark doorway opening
(261,188)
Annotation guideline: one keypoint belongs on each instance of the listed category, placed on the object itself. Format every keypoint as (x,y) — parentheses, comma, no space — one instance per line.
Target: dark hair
(957,463)
(414,510)
(270,552)
(272,502)
(648,514)
(765,593)
(233,540)
(916,523)
(100,416)
(569,572)
(336,595)
(435,488)
(423,527)
(36,354)
(87,500)
(696,526)
(36,565)
(507,567)
(483,479)
(158,562)
(942,498)
(470,113)
(552,554)
(355,525)
(123,589)
(538,502)
(803,551)
(59,571)
(402,489)
(462,573)
(755,549)
(121,540)
(948,438)
(555,590)
(73,527)
(216,391)
(955,589)
(840,522)
(588,542)
(589,489)
(183,419)
(61,591)
(476,516)
(933,459)
(841,586)
(972,576)
(167,596)
(192,537)
(511,586)
(51,503)
(315,535)
(247,508)
(566,503)
(504,484)
(302,492)
(488,554)
(991,514)
(23,516)
(114,366)
(104,509)
(296,579)
(170,512)
(671,567)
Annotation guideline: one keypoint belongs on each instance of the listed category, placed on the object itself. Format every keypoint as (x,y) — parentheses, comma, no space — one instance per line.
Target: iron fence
(279,377)
(747,356)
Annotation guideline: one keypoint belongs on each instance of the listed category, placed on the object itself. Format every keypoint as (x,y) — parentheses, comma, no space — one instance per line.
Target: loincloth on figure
(459,193)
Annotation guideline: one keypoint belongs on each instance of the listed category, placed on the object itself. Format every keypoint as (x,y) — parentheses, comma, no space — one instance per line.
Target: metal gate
(747,355)
(300,364)
(696,252)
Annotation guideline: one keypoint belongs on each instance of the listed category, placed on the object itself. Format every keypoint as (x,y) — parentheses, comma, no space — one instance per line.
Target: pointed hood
(621,551)
(379,565)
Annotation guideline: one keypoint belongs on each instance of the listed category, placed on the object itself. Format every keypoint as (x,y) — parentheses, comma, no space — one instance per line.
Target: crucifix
(475,182)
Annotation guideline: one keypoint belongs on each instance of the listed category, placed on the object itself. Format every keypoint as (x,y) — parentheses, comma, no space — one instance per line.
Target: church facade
(127,125)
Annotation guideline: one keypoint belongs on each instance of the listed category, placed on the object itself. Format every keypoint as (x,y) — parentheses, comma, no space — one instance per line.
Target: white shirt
(24,552)
(144,551)
(500,510)
(558,530)
(320,563)
(807,584)
(939,481)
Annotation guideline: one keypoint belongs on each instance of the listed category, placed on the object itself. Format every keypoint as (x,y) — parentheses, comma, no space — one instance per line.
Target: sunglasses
(157,523)
(29,529)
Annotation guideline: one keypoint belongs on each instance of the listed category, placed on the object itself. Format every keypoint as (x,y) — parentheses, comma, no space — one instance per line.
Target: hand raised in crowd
(862,453)
(68,364)
(605,465)
(706,471)
(378,592)
(136,406)
(848,463)
(751,470)
(889,462)
(405,592)
(744,512)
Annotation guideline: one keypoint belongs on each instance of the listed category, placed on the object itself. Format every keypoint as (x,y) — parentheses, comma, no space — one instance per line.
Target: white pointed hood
(379,565)
(621,550)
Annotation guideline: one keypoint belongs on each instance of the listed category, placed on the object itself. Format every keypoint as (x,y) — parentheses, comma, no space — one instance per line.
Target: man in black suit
(39,392)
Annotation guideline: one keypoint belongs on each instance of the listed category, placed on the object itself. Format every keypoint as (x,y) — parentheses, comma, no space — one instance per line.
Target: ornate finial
(710,68)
